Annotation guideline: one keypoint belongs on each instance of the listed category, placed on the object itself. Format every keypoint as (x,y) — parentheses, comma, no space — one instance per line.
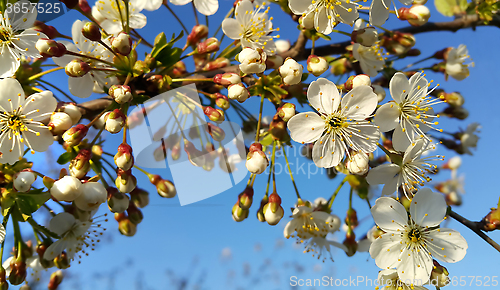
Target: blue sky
(189,240)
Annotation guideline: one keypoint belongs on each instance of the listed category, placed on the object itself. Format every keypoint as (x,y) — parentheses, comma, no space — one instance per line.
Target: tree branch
(474,226)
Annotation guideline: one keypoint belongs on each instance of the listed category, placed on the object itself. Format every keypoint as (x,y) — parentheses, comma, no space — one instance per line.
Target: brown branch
(475,227)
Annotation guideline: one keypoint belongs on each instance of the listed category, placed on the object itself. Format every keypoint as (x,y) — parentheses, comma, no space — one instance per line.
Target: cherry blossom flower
(370,58)
(205,7)
(455,63)
(115,16)
(409,173)
(327,13)
(412,241)
(152,5)
(21,121)
(251,26)
(469,139)
(380,10)
(410,115)
(17,39)
(340,124)
(84,86)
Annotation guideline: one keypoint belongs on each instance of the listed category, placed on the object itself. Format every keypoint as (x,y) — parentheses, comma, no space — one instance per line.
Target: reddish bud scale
(216,132)
(197,33)
(155,179)
(255,147)
(91,31)
(217,64)
(75,135)
(48,30)
(275,198)
(85,7)
(18,272)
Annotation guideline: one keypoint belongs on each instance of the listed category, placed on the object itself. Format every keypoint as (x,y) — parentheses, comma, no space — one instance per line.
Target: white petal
(327,153)
(152,5)
(55,249)
(299,6)
(428,208)
(369,135)
(321,22)
(9,61)
(81,87)
(418,87)
(80,41)
(415,267)
(44,102)
(27,41)
(21,21)
(232,28)
(400,141)
(323,96)
(301,127)
(413,151)
(397,85)
(6,146)
(137,20)
(11,95)
(378,12)
(387,117)
(386,250)
(42,142)
(454,245)
(206,7)
(2,233)
(392,186)
(389,214)
(359,103)
(62,223)
(346,16)
(180,2)
(111,27)
(382,173)
(241,11)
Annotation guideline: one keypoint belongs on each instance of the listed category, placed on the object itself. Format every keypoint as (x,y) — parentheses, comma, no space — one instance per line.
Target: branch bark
(475,227)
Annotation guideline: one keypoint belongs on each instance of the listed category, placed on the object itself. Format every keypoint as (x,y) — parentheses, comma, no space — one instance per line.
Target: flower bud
(439,275)
(59,123)
(417,15)
(210,45)
(17,272)
(238,92)
(197,33)
(66,189)
(134,214)
(453,163)
(77,68)
(214,115)
(115,121)
(91,31)
(227,79)
(179,69)
(93,194)
(139,197)
(245,198)
(217,133)
(123,157)
(341,67)
(217,64)
(222,101)
(356,81)
(84,7)
(352,218)
(286,111)
(80,165)
(367,36)
(256,159)
(50,48)
(252,60)
(48,30)
(357,163)
(120,93)
(122,44)
(350,243)
(24,180)
(453,99)
(72,110)
(55,280)
(277,128)
(125,181)
(127,228)
(460,113)
(166,189)
(118,202)
(282,45)
(316,65)
(491,221)
(62,261)
(273,212)
(238,213)
(291,72)
(260,212)
(380,92)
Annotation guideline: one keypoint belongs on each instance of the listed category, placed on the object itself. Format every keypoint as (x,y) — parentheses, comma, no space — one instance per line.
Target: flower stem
(257,134)
(273,158)
(195,14)
(290,170)
(334,195)
(142,170)
(175,16)
(342,32)
(89,57)
(38,75)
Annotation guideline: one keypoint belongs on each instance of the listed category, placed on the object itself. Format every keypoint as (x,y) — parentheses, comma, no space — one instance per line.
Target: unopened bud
(115,121)
(80,165)
(491,221)
(214,115)
(217,64)
(238,92)
(238,213)
(256,159)
(134,214)
(50,48)
(56,279)
(91,31)
(120,93)
(367,36)
(24,180)
(316,65)
(125,182)
(307,21)
(277,128)
(252,60)
(118,202)
(454,99)
(217,133)
(350,243)
(417,15)
(72,110)
(439,275)
(139,197)
(210,45)
(356,81)
(77,68)
(227,79)
(291,72)
(122,44)
(273,212)
(222,101)
(286,111)
(93,195)
(123,157)
(59,123)
(127,228)
(246,198)
(84,7)
(197,33)
(48,30)
(357,163)
(17,272)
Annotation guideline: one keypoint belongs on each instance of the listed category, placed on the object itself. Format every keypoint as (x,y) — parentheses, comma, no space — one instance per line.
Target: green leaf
(31,201)
(66,157)
(450,7)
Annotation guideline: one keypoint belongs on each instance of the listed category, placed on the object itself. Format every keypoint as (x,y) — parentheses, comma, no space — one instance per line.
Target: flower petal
(359,103)
(379,12)
(306,127)
(321,21)
(41,142)
(25,19)
(206,7)
(326,152)
(363,136)
(400,140)
(137,20)
(386,250)
(11,95)
(27,41)
(387,117)
(415,267)
(389,214)
(38,105)
(323,96)
(9,61)
(232,28)
(55,249)
(81,87)
(428,208)
(447,245)
(382,174)
(392,186)
(299,6)
(399,86)
(347,16)
(61,223)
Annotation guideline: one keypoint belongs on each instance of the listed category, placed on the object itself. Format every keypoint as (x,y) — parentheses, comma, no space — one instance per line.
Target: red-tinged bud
(125,181)
(227,79)
(166,188)
(120,93)
(260,212)
(443,54)
(238,92)
(85,7)
(350,243)
(413,52)
(40,250)
(122,44)
(48,30)
(238,213)
(50,48)
(352,218)
(71,109)
(75,135)
(197,33)
(118,202)
(120,216)
(257,161)
(255,147)
(491,221)
(210,45)
(273,212)
(179,69)
(123,157)
(286,111)
(56,279)
(358,80)
(405,39)
(70,3)
(59,123)
(222,101)
(77,68)
(91,31)
(216,132)
(439,275)
(316,65)
(417,15)
(246,198)
(127,228)
(134,214)
(277,128)
(217,64)
(214,115)
(115,121)
(17,272)
(80,165)
(139,197)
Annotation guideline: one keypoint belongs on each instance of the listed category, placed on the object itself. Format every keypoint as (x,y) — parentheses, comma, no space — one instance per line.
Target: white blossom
(205,7)
(370,58)
(115,13)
